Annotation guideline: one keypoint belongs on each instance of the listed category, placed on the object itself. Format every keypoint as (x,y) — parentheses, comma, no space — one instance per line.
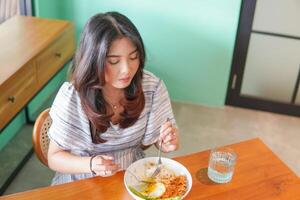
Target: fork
(157,170)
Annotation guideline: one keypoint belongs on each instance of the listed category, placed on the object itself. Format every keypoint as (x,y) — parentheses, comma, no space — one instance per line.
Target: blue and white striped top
(71,132)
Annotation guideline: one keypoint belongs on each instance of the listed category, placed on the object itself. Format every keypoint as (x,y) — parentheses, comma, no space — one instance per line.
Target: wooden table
(259,174)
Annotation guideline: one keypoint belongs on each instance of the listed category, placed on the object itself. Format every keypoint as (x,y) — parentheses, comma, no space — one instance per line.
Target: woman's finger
(165,126)
(169,138)
(105,157)
(171,147)
(166,132)
(173,140)
(111,167)
(107,173)
(103,160)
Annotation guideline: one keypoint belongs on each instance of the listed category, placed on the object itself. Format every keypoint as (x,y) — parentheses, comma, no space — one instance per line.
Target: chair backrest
(40,139)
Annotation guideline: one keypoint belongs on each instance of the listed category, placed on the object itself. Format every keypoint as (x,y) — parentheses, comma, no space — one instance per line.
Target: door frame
(234,96)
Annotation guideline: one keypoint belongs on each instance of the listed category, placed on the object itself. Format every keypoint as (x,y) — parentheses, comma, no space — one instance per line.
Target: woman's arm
(65,162)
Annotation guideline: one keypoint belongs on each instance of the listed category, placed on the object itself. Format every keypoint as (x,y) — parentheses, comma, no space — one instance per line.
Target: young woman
(112,109)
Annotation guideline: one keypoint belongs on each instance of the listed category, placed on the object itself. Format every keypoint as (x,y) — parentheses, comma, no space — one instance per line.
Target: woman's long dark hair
(87,71)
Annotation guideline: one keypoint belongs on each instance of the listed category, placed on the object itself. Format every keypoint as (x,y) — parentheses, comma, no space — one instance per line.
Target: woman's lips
(125,80)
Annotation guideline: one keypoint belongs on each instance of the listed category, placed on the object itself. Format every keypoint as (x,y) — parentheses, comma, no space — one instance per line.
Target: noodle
(175,186)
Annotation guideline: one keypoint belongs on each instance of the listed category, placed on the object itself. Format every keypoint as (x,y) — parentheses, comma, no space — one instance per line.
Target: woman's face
(121,63)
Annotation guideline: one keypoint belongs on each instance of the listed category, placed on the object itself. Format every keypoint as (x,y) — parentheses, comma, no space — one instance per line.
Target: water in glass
(221,165)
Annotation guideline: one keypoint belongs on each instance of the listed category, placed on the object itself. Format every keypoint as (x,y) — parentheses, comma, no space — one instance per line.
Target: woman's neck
(113,96)
(112,93)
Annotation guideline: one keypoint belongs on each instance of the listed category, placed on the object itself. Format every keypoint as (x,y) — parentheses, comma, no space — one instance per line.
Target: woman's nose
(125,67)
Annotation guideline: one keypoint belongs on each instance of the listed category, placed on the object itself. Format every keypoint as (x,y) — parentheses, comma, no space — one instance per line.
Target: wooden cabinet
(52,58)
(32,51)
(19,89)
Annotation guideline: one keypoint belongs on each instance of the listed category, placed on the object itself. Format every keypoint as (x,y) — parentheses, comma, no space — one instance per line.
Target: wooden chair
(40,139)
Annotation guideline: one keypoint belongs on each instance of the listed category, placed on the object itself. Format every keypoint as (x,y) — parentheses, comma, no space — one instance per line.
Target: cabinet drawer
(16,91)
(55,56)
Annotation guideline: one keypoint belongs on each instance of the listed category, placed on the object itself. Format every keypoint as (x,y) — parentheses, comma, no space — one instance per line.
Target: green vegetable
(139,194)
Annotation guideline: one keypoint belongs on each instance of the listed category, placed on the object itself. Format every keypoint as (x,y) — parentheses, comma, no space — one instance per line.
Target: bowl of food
(173,182)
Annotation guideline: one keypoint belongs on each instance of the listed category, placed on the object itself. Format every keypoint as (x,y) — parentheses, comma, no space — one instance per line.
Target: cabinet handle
(58,55)
(11,99)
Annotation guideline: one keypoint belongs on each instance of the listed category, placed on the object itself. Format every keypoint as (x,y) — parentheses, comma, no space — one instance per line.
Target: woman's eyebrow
(120,56)
(133,51)
(113,56)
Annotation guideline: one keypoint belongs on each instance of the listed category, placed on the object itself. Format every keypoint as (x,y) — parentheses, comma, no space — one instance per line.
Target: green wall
(189,43)
(10,131)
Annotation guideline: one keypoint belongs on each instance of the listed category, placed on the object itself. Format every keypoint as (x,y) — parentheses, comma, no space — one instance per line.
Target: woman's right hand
(104,166)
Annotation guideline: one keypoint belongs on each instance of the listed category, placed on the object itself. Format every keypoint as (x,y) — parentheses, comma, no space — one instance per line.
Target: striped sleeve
(160,111)
(70,127)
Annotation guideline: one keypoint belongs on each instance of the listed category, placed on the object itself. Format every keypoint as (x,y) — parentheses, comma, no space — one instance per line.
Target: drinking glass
(221,164)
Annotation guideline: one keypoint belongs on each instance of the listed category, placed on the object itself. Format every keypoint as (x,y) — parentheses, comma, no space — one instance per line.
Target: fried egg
(154,190)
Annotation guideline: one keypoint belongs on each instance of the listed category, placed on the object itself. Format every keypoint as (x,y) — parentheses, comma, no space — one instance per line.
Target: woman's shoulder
(69,122)
(150,81)
(68,98)
(67,91)
(67,88)
(67,103)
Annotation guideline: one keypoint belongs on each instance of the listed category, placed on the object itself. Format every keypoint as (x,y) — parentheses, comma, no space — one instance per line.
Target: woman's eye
(134,57)
(113,62)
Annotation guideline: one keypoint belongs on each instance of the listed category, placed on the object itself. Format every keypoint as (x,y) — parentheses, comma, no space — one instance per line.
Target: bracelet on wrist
(91,159)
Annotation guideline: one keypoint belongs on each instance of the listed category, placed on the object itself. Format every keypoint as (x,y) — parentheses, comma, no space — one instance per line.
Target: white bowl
(139,169)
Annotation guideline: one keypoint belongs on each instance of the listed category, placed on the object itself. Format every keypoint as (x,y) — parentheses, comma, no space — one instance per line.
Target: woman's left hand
(169,136)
